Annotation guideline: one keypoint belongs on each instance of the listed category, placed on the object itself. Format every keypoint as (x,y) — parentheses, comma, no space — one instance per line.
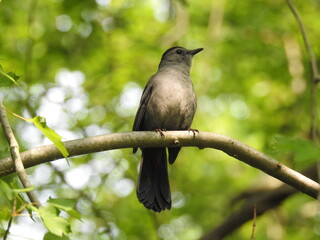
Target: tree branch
(263,200)
(14,149)
(226,144)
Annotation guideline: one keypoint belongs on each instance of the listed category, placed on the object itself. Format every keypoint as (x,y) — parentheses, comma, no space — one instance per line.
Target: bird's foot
(194,131)
(158,130)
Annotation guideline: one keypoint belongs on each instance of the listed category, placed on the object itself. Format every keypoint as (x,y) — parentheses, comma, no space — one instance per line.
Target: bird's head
(178,56)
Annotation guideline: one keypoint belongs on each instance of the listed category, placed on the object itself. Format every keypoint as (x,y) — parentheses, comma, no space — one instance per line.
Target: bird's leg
(194,131)
(159,130)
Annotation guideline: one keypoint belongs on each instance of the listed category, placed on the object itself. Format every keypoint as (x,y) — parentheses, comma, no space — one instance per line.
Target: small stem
(10,220)
(30,46)
(315,72)
(305,40)
(254,221)
(18,116)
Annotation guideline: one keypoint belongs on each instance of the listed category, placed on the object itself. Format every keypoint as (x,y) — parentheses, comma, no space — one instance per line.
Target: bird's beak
(195,51)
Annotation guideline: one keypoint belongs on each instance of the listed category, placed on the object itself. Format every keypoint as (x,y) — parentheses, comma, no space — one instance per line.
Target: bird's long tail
(153,189)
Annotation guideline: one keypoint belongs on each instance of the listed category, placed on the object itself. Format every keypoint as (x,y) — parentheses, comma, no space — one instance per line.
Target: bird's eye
(179,51)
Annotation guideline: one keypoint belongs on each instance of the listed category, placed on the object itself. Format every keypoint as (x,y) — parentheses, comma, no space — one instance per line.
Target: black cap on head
(178,55)
(170,49)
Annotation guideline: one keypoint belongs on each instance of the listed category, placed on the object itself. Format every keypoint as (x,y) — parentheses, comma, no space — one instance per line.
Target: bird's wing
(143,105)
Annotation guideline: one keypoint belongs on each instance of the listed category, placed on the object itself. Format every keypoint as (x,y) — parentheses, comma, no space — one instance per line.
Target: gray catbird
(168,102)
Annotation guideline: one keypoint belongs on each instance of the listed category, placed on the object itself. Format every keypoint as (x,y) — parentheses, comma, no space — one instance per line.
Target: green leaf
(50,236)
(8,79)
(303,150)
(21,190)
(55,224)
(11,191)
(6,191)
(22,202)
(67,205)
(41,124)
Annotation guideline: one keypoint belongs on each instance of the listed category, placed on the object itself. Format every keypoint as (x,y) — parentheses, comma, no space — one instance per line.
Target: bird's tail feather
(173,154)
(153,189)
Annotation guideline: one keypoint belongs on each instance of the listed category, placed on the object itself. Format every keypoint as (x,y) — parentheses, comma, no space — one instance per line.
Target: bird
(168,102)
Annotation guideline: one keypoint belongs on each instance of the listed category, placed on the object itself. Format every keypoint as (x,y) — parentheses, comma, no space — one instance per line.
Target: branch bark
(201,140)
(15,154)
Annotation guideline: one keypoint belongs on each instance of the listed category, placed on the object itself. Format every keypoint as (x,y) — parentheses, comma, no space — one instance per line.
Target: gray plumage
(168,102)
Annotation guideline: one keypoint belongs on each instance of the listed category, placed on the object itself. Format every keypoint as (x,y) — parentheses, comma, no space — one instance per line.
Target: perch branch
(226,144)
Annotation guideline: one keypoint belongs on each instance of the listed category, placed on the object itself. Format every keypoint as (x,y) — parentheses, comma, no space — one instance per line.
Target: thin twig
(315,78)
(30,46)
(15,154)
(306,41)
(10,220)
(315,73)
(254,221)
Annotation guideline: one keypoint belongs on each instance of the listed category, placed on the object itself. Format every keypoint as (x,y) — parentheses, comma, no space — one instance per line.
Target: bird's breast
(172,104)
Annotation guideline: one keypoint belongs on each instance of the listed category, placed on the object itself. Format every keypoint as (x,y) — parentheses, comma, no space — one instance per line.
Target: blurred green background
(83,65)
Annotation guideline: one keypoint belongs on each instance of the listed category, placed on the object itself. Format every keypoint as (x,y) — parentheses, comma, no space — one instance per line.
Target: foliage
(83,65)
(7,79)
(49,213)
(41,124)
(304,151)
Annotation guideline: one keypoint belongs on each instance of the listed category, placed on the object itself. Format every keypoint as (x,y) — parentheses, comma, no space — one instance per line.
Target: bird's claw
(158,130)
(194,131)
